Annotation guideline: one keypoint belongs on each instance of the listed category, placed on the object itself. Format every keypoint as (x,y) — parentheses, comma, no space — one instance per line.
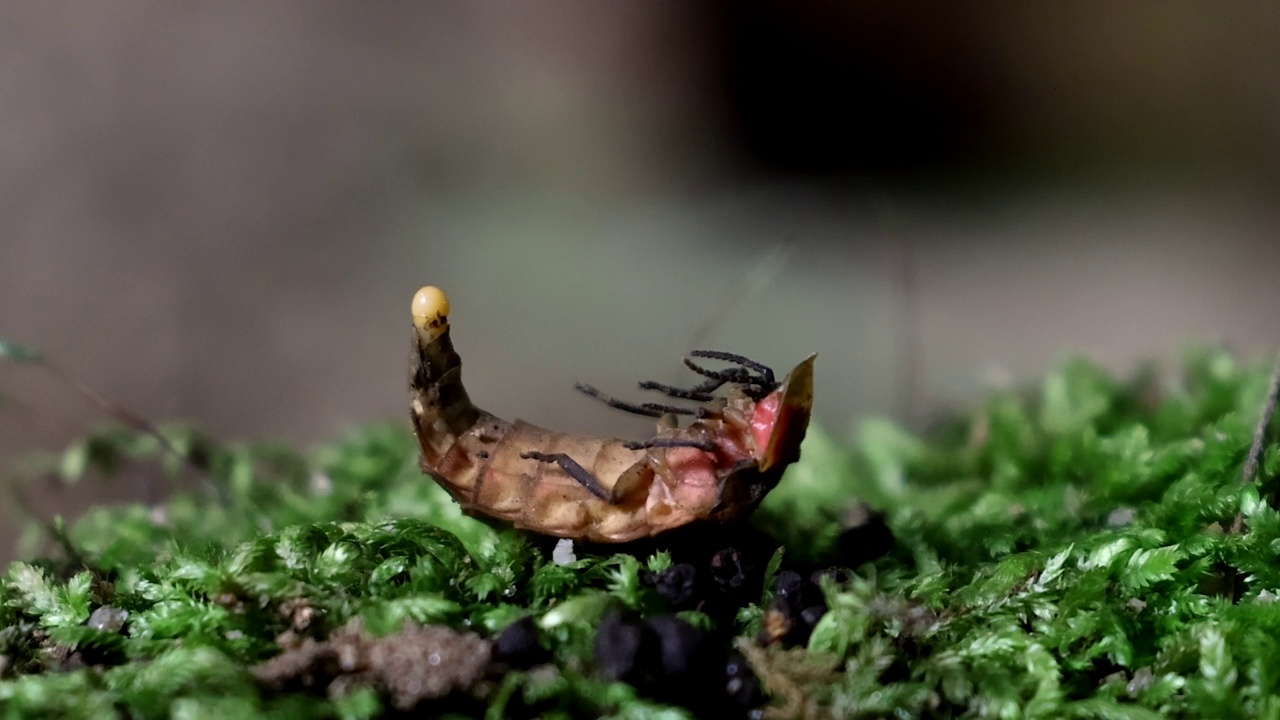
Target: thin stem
(1254,459)
(137,422)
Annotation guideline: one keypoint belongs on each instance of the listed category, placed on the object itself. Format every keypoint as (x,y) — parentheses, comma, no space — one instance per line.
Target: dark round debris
(784,624)
(866,536)
(621,648)
(789,588)
(676,584)
(680,646)
(741,685)
(838,575)
(729,569)
(810,616)
(518,645)
(797,607)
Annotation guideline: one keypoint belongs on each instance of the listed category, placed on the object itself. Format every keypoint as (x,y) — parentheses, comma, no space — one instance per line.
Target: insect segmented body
(716,468)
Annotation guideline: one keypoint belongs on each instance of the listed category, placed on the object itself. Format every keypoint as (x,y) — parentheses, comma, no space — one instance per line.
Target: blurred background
(218,212)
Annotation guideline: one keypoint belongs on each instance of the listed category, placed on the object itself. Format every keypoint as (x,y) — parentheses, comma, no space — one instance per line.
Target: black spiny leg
(754,387)
(695,393)
(737,375)
(573,470)
(766,372)
(646,409)
(670,443)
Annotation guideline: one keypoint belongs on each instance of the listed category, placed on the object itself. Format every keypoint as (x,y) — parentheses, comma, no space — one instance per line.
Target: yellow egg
(431,310)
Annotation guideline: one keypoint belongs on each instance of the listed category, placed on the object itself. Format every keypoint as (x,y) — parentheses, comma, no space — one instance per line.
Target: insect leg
(755,387)
(696,393)
(670,443)
(646,409)
(573,470)
(766,372)
(633,478)
(709,385)
(732,375)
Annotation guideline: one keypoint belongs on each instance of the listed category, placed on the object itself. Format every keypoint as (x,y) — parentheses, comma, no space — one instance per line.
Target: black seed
(865,538)
(518,646)
(620,648)
(898,671)
(839,575)
(676,584)
(811,615)
(789,587)
(729,570)
(741,684)
(679,646)
(805,622)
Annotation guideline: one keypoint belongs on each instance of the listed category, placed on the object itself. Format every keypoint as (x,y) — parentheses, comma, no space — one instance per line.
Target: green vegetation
(1069,552)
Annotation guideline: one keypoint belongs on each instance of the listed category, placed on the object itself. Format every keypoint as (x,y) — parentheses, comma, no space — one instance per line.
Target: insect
(718,467)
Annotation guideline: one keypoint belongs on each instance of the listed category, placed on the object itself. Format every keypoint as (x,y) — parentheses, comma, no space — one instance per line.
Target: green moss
(1060,553)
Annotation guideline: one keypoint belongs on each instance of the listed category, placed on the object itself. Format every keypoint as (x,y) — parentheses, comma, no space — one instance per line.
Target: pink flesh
(696,488)
(764,419)
(694,467)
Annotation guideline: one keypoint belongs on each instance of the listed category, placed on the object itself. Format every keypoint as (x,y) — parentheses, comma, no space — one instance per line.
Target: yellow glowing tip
(431,311)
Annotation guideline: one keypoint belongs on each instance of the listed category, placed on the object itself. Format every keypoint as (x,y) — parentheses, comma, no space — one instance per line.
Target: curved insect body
(718,467)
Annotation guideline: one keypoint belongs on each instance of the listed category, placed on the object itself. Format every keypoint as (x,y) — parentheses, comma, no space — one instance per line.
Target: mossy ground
(1067,552)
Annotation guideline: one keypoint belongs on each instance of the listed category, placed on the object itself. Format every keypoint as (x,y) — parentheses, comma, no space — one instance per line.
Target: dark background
(218,212)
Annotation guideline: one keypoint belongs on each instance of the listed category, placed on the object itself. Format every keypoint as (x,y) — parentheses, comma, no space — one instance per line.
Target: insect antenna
(646,409)
(669,443)
(766,372)
(16,353)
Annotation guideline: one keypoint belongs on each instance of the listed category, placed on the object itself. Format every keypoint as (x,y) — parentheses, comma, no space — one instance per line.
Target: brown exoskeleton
(716,468)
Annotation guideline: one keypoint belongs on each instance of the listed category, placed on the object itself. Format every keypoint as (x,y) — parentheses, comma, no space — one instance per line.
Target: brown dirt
(416,664)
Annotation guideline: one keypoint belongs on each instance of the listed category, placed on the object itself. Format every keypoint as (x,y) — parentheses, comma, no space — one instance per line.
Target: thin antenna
(21,354)
(910,344)
(758,276)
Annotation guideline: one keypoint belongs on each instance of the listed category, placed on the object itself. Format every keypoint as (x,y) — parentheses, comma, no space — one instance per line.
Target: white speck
(1121,517)
(112,619)
(160,515)
(347,658)
(320,484)
(433,659)
(563,554)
